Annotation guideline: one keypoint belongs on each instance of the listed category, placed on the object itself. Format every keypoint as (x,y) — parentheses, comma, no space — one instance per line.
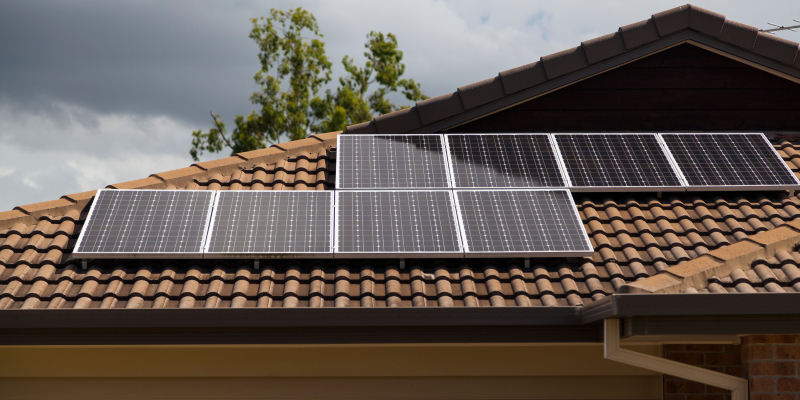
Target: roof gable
(683,88)
(685,24)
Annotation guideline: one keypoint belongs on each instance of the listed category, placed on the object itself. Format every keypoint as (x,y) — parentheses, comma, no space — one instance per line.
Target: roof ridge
(627,38)
(721,262)
(32,213)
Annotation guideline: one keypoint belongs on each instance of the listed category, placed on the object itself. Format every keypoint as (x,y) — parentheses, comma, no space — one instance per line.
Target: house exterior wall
(320,372)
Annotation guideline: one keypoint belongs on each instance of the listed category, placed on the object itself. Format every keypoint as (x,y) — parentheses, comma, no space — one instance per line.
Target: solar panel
(503,160)
(622,162)
(390,162)
(271,224)
(413,223)
(521,223)
(146,223)
(729,161)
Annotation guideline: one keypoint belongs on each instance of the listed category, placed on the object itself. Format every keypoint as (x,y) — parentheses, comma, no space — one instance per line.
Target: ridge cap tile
(523,77)
(672,20)
(639,33)
(366,127)
(481,92)
(440,107)
(564,62)
(400,121)
(738,34)
(775,47)
(603,47)
(705,21)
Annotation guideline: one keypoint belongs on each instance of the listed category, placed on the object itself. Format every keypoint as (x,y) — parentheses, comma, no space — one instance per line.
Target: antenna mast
(780,27)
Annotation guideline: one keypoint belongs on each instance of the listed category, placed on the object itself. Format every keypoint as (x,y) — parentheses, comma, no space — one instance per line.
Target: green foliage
(294,68)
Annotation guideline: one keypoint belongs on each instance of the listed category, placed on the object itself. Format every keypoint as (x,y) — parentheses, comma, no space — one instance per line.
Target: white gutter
(612,351)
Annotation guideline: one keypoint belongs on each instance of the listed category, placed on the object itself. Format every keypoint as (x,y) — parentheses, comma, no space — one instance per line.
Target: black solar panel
(622,161)
(521,223)
(729,162)
(390,162)
(418,223)
(142,223)
(278,223)
(506,160)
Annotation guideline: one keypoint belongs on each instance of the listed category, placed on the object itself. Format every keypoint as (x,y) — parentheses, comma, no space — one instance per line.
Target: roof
(640,241)
(684,24)
(681,243)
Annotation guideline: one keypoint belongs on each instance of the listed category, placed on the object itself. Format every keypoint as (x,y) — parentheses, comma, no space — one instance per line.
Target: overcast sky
(94,93)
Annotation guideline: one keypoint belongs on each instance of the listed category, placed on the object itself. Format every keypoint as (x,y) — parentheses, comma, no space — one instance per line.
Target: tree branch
(220,130)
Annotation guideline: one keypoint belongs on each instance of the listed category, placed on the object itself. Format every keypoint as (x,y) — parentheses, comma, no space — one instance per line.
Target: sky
(95,92)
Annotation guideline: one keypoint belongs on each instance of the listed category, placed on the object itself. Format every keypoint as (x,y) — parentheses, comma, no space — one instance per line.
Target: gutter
(612,351)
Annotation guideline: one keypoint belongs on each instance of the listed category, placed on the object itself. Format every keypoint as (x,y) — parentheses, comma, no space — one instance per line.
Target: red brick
(754,339)
(686,358)
(773,396)
(713,389)
(761,384)
(787,352)
(682,386)
(789,385)
(674,347)
(772,368)
(759,352)
(734,371)
(705,397)
(723,359)
(674,397)
(704,347)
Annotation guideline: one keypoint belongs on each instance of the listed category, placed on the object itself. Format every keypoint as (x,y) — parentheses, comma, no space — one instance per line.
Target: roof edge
(721,262)
(32,213)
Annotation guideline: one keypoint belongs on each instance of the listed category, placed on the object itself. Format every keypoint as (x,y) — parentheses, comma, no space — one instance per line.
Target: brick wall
(771,363)
(717,357)
(771,366)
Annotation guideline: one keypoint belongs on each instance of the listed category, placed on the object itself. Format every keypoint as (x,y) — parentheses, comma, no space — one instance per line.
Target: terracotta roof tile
(480,93)
(399,121)
(639,33)
(523,77)
(603,47)
(368,127)
(705,21)
(739,34)
(564,62)
(438,108)
(776,48)
(672,20)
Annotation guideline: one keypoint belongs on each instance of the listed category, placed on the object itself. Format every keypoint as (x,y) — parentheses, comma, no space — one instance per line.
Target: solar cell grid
(142,223)
(621,161)
(266,224)
(503,160)
(417,223)
(390,162)
(521,223)
(729,162)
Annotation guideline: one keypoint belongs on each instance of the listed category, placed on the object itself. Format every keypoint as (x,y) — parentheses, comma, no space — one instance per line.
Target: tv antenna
(780,28)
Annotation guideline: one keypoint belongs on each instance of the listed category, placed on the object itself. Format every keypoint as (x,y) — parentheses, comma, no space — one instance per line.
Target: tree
(294,68)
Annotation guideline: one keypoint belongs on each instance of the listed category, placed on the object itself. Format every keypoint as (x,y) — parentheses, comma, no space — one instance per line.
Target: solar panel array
(729,162)
(460,195)
(503,161)
(271,223)
(630,161)
(141,223)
